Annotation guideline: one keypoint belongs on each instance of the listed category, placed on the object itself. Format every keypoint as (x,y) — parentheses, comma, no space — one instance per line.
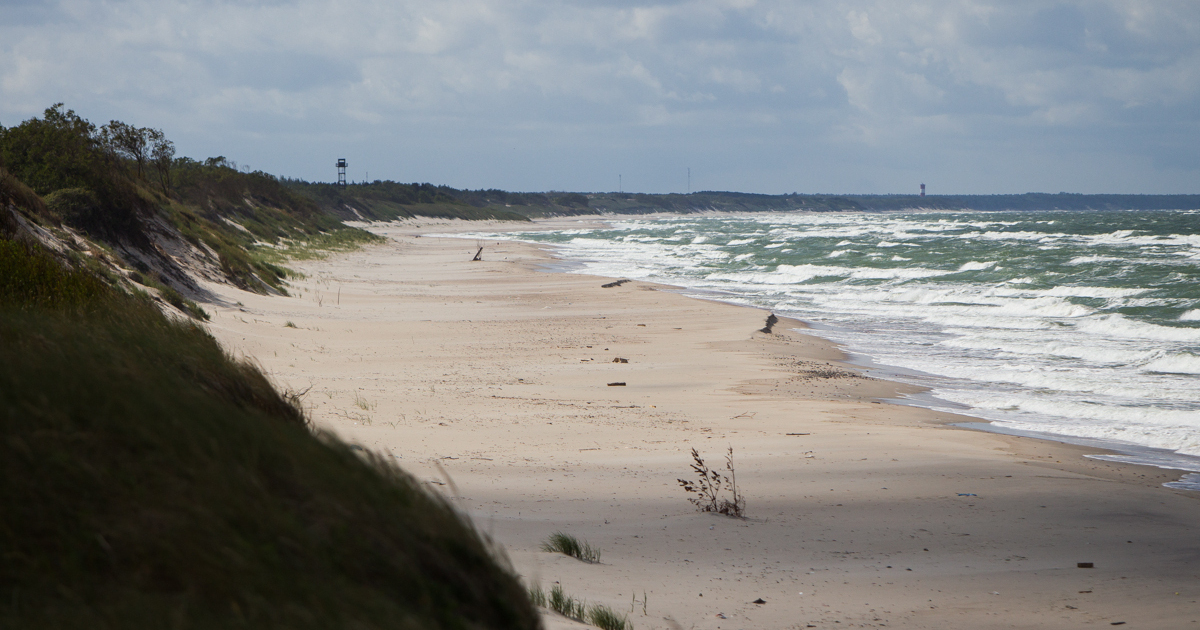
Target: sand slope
(490,380)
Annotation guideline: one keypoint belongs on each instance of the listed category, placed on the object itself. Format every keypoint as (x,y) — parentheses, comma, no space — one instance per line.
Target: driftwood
(613,284)
(771,321)
(478,255)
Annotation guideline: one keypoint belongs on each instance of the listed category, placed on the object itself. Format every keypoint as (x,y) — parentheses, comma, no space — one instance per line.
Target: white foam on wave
(1117,325)
(1084,260)
(1019,236)
(1020,354)
(1190,481)
(1050,345)
(1115,416)
(1087,291)
(1180,438)
(1178,363)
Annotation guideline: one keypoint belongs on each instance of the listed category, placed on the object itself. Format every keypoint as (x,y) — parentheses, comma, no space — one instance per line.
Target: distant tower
(922,190)
(342,173)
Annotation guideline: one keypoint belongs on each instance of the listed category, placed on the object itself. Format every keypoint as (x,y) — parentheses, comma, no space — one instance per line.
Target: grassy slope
(148,480)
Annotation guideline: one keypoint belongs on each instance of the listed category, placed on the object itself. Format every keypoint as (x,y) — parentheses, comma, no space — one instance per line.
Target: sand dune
(491,381)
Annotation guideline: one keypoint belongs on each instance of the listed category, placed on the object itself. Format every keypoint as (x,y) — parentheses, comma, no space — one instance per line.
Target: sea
(1082,326)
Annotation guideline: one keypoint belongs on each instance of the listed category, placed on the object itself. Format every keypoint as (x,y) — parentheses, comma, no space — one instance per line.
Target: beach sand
(490,380)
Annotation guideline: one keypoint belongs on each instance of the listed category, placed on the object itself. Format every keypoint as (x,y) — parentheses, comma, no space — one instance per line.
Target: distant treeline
(1028,201)
(568,203)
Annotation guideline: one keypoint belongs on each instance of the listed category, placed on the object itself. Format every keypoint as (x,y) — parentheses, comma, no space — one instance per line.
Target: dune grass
(567,544)
(557,600)
(149,480)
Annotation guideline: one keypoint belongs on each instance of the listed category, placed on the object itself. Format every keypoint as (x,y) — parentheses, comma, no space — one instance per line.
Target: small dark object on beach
(617,384)
(759,601)
(613,284)
(771,321)
(620,360)
(478,255)
(1084,565)
(1117,623)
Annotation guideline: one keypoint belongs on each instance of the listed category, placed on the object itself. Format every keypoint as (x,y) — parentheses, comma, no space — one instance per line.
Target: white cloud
(733,84)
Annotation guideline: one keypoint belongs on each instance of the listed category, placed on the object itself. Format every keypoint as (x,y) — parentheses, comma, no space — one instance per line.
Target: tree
(163,153)
(58,151)
(131,142)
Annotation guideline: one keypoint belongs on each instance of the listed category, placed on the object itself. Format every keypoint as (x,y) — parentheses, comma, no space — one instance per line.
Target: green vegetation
(557,600)
(606,618)
(149,480)
(315,248)
(122,187)
(389,201)
(567,544)
(566,605)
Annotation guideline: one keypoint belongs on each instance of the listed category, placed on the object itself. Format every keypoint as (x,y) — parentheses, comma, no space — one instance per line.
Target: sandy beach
(491,381)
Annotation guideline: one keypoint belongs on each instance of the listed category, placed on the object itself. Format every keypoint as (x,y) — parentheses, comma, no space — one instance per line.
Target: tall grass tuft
(566,605)
(606,618)
(557,600)
(567,544)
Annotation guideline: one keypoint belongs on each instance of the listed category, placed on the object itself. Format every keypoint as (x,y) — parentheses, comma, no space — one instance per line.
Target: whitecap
(1117,325)
(1083,260)
(1179,363)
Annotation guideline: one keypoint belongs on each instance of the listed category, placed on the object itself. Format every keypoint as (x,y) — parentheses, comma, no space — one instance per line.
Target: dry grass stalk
(710,484)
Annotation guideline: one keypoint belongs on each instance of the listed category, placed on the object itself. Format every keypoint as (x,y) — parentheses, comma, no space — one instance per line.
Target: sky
(751,95)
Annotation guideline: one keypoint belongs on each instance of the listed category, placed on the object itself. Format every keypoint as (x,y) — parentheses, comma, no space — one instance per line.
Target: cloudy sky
(766,96)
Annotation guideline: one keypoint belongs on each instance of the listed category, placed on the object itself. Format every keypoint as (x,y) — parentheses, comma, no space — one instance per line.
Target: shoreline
(495,374)
(1139,455)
